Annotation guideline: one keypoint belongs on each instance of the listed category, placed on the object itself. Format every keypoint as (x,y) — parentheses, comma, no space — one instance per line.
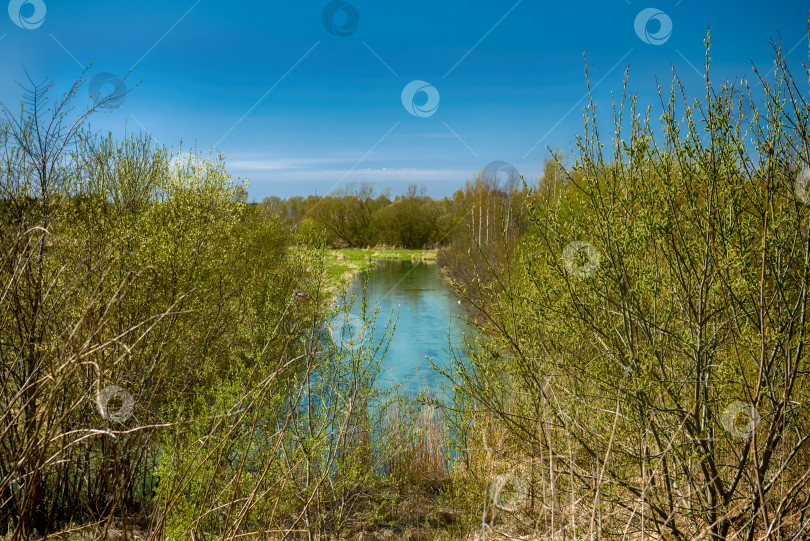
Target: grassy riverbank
(342,264)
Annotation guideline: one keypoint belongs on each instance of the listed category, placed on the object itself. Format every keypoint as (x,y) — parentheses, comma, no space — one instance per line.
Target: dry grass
(420,447)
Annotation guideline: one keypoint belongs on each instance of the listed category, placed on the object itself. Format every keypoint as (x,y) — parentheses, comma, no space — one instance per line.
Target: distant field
(342,265)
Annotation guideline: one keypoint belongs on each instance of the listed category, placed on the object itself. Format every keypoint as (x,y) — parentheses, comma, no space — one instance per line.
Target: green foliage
(621,373)
(124,265)
(171,356)
(356,217)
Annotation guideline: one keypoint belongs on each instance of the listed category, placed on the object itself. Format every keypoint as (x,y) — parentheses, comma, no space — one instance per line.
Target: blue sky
(299,109)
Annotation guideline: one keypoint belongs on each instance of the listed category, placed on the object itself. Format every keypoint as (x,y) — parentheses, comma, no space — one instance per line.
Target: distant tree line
(357,216)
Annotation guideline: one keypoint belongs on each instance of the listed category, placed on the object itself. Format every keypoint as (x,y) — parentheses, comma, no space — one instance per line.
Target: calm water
(428,313)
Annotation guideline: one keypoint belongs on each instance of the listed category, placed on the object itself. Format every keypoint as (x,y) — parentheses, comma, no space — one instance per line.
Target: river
(428,315)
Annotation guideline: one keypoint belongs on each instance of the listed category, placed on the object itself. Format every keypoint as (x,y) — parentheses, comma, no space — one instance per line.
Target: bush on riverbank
(648,372)
(168,363)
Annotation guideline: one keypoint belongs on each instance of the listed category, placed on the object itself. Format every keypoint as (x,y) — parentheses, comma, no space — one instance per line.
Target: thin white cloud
(428,135)
(380,176)
(279,164)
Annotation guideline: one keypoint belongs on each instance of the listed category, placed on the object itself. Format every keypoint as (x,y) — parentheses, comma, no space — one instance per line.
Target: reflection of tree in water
(413,280)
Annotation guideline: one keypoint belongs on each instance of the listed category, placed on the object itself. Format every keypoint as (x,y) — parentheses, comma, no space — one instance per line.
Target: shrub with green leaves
(138,290)
(655,321)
